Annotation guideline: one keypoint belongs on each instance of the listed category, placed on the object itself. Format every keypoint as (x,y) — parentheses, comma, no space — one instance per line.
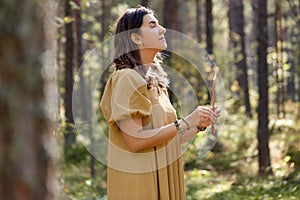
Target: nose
(162,30)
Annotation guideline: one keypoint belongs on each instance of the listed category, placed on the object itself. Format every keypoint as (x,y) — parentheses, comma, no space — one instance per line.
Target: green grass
(229,171)
(77,183)
(217,187)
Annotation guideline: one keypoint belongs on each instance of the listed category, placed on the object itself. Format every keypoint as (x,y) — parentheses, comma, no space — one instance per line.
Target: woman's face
(152,34)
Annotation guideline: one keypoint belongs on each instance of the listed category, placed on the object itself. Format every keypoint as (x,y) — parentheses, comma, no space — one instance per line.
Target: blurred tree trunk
(209,36)
(78,33)
(86,107)
(298,26)
(291,80)
(25,161)
(170,14)
(251,43)
(104,8)
(297,53)
(170,20)
(104,18)
(69,65)
(60,57)
(209,27)
(198,20)
(279,60)
(263,115)
(290,49)
(237,37)
(182,10)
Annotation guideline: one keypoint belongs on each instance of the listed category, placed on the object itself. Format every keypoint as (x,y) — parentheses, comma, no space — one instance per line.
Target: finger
(204,124)
(210,114)
(207,116)
(206,111)
(217,110)
(213,111)
(207,119)
(216,113)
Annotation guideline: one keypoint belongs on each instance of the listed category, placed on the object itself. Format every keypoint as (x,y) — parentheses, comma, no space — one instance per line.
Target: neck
(147,56)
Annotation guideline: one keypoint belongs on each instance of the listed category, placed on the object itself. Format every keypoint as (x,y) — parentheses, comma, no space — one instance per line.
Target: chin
(164,47)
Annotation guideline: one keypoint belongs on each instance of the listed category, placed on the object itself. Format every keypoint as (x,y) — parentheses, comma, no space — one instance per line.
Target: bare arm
(188,135)
(138,139)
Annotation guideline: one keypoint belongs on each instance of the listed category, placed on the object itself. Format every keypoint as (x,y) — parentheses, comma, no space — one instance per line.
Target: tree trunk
(237,37)
(170,20)
(170,14)
(291,79)
(85,100)
(78,33)
(279,60)
(24,140)
(252,44)
(103,19)
(69,65)
(263,115)
(198,20)
(60,59)
(209,27)
(298,26)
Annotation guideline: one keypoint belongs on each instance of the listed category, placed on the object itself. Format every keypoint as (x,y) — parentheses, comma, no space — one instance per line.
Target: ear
(136,38)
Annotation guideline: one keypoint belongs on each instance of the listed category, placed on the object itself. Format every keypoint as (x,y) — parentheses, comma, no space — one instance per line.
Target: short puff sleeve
(130,97)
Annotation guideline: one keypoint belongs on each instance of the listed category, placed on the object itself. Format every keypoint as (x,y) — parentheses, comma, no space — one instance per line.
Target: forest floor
(229,171)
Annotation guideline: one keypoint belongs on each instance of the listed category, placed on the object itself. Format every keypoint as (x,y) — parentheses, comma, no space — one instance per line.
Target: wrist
(179,126)
(185,124)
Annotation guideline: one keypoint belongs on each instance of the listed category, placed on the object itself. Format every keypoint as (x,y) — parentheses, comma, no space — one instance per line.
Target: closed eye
(153,24)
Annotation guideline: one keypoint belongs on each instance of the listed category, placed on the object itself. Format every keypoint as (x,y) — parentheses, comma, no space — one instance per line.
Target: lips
(162,38)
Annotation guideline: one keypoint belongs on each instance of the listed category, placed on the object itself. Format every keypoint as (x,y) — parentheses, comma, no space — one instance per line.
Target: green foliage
(77,183)
(75,154)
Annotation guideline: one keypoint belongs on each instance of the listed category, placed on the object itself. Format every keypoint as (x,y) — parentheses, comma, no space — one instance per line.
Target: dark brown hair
(127,54)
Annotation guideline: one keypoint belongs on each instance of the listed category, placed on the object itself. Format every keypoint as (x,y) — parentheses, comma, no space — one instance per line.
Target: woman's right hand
(202,116)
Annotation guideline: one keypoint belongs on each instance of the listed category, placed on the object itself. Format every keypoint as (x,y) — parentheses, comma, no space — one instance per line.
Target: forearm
(161,135)
(188,135)
(138,139)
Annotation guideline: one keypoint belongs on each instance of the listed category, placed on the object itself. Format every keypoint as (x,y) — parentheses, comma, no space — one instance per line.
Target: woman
(144,159)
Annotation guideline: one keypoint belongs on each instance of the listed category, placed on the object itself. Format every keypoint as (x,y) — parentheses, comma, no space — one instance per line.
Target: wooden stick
(213,92)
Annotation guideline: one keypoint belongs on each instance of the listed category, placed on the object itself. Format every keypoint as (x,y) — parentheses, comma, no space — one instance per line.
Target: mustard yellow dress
(152,174)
